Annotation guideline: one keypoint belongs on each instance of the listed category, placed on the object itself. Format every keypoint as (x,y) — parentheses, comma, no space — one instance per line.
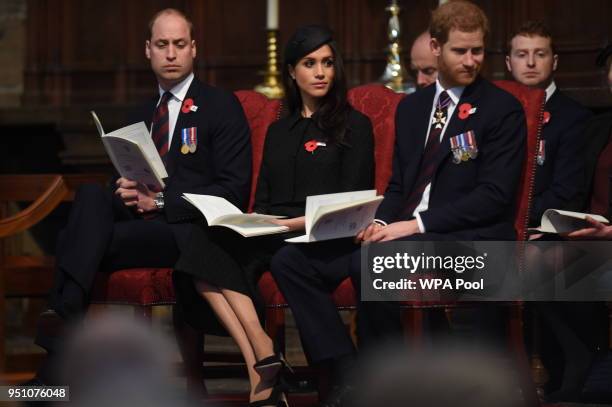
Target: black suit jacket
(220,166)
(559,180)
(473,199)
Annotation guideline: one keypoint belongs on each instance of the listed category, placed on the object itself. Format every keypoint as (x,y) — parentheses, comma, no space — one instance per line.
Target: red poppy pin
(465,110)
(188,106)
(312,145)
(546,117)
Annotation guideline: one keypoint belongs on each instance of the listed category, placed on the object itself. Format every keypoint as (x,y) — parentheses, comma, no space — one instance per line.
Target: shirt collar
(179,91)
(454,93)
(550,90)
(296,117)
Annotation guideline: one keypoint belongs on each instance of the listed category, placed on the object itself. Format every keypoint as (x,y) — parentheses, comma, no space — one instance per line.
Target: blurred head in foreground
(443,377)
(116,360)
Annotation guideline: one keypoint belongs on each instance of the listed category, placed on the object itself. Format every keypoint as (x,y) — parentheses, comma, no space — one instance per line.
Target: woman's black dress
(289,173)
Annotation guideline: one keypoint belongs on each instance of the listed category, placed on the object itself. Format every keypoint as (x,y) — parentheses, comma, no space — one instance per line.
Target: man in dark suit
(532,61)
(568,337)
(438,191)
(203,138)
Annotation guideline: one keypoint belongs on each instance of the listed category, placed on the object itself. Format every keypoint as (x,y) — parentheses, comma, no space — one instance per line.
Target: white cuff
(380,222)
(420,222)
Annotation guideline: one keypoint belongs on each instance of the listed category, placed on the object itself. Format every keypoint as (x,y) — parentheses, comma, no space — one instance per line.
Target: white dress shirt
(550,90)
(179,91)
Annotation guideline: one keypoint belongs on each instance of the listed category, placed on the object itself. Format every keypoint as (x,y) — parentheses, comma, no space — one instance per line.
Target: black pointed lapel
(184,120)
(422,126)
(470,95)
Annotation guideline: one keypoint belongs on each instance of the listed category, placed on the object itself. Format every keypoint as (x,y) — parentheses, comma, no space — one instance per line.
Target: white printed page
(314,202)
(129,161)
(212,207)
(340,220)
(559,221)
(220,212)
(139,134)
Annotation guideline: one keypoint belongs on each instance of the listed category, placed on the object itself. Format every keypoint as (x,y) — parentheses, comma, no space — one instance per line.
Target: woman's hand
(293,224)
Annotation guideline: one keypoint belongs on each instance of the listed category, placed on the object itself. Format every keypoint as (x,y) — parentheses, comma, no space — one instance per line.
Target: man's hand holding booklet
(563,222)
(134,155)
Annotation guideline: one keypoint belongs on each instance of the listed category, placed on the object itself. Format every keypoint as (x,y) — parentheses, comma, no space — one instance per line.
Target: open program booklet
(558,221)
(220,212)
(134,154)
(334,216)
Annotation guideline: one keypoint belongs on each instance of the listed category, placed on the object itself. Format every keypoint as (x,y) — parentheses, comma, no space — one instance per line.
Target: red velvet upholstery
(140,287)
(533,103)
(379,104)
(260,113)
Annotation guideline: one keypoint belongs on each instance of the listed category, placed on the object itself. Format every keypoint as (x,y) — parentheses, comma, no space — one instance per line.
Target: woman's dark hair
(333,110)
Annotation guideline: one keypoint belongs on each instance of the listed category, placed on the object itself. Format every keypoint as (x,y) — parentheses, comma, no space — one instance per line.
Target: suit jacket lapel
(183,121)
(422,126)
(456,126)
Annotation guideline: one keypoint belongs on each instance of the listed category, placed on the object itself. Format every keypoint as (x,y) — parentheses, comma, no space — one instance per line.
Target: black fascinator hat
(305,40)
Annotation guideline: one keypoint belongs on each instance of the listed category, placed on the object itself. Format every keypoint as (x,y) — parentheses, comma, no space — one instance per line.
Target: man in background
(423,63)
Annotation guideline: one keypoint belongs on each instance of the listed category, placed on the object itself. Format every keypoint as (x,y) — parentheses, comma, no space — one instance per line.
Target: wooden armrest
(41,207)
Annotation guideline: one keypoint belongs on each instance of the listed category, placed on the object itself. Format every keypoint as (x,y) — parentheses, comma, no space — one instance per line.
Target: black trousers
(307,275)
(379,322)
(102,234)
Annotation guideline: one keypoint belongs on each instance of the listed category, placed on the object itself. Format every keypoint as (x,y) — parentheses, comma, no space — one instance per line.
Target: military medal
(463,147)
(455,150)
(184,145)
(438,119)
(193,139)
(189,140)
(541,152)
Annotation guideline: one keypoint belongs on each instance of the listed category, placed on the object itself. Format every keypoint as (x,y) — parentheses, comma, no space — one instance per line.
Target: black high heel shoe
(277,398)
(270,367)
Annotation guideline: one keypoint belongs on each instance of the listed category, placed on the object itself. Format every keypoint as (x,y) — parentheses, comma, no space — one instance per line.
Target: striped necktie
(428,166)
(161,126)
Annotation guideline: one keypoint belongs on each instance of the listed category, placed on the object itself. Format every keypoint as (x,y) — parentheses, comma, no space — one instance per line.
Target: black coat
(559,180)
(474,199)
(289,173)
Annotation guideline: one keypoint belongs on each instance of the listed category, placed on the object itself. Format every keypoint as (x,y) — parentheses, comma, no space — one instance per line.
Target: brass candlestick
(271,86)
(395,74)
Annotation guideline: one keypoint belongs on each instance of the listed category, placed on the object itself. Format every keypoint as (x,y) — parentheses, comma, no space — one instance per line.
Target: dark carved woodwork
(86,54)
(91,52)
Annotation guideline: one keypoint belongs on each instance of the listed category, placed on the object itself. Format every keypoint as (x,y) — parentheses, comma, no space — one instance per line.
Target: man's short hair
(168,11)
(460,15)
(531,28)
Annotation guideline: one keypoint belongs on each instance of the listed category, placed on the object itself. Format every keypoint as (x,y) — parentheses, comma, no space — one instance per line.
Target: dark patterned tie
(161,126)
(428,166)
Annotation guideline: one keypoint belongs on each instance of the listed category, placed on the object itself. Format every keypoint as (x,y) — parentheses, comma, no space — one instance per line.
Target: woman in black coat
(321,146)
